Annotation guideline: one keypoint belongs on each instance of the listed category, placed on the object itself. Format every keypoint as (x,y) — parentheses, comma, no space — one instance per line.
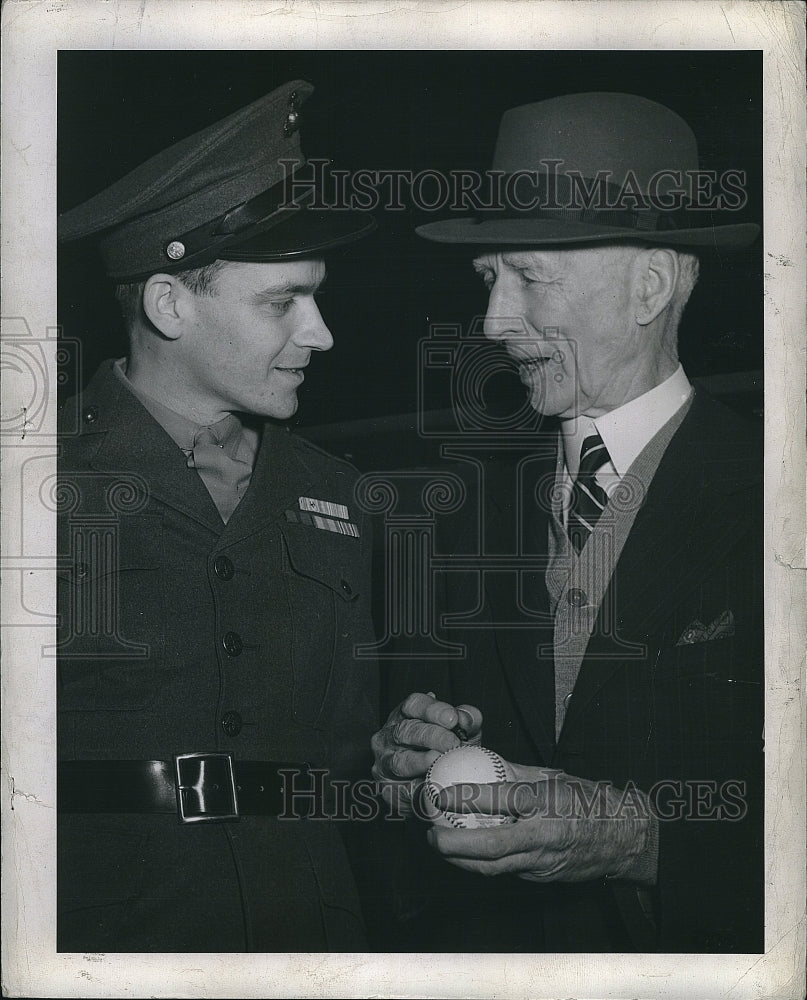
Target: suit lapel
(519,607)
(693,510)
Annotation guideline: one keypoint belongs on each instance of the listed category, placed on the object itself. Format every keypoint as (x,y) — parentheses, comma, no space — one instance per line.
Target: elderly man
(216,569)
(621,672)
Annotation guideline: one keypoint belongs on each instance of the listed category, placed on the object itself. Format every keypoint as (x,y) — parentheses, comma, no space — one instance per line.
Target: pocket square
(696,631)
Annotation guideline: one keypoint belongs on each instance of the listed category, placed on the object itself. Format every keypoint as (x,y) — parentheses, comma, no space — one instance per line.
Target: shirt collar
(626,430)
(181,429)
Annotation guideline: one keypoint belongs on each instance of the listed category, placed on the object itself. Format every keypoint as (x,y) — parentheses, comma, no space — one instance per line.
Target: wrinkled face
(568,319)
(246,345)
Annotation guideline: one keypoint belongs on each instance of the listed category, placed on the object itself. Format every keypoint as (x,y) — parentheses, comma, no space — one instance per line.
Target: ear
(657,280)
(164,301)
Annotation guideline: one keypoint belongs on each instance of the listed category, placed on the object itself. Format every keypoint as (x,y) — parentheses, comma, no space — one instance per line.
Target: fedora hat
(599,168)
(240,189)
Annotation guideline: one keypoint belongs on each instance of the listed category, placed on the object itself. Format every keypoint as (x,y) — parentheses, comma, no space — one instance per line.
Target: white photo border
(33,33)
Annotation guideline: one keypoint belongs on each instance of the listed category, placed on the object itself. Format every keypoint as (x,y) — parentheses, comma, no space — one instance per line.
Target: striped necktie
(588,497)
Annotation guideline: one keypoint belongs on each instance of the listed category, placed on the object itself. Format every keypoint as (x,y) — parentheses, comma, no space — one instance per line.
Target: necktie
(225,477)
(588,497)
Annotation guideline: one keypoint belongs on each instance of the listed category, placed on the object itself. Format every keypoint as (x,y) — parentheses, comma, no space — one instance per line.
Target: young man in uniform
(218,575)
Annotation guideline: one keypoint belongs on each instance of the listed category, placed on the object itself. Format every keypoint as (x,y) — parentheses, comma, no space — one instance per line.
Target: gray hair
(688,270)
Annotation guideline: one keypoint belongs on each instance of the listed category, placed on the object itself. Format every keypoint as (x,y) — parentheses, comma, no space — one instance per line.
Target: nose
(503,319)
(313,332)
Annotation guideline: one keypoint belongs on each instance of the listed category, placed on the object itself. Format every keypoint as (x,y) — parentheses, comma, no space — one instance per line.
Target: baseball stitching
(498,766)
(455,820)
(458,819)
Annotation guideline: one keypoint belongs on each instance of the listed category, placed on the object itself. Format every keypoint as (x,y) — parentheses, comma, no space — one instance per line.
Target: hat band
(296,191)
(641,220)
(571,197)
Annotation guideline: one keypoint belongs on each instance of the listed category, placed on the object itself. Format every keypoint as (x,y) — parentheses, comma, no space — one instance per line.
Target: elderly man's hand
(566,829)
(412,738)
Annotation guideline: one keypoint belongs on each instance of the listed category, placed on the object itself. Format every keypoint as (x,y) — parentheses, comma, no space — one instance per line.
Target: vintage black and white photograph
(400,471)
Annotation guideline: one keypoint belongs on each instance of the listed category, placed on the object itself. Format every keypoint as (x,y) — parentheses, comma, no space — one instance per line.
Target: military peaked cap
(239,189)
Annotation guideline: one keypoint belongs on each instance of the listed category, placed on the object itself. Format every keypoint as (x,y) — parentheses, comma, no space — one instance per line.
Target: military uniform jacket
(180,634)
(669,697)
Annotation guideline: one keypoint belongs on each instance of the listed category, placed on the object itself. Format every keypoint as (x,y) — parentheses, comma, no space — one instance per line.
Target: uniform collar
(228,431)
(123,437)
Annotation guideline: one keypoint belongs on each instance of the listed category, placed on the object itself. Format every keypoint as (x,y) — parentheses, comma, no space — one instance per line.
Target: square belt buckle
(205,787)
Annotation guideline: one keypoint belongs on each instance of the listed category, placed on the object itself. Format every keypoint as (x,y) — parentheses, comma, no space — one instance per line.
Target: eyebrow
(480,264)
(290,288)
(515,260)
(529,258)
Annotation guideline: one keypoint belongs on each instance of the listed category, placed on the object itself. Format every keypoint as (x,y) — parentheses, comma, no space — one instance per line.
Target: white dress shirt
(625,431)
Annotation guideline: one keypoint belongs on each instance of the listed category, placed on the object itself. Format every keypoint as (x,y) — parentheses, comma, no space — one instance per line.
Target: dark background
(394,110)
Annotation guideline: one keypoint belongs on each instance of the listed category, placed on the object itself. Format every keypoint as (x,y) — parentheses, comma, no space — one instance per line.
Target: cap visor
(301,234)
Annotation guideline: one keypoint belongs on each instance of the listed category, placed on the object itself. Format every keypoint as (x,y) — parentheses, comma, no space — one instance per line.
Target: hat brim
(545,232)
(303,233)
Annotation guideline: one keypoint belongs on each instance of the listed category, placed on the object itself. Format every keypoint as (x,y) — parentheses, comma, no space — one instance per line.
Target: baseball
(471,764)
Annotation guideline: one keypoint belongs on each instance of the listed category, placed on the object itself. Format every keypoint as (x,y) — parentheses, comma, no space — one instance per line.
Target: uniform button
(223,568)
(567,699)
(575,597)
(90,414)
(231,723)
(346,588)
(689,635)
(232,643)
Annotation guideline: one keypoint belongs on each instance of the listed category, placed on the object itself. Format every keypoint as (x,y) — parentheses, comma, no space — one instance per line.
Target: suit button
(90,414)
(231,723)
(348,590)
(232,643)
(575,597)
(567,699)
(223,568)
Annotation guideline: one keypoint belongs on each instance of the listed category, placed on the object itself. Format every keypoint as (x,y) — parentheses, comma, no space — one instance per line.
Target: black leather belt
(195,787)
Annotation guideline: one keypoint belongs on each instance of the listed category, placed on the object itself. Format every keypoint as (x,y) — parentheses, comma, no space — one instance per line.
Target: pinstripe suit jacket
(666,697)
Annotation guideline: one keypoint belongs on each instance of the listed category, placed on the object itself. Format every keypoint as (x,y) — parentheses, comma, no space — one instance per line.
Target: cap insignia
(175,250)
(292,122)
